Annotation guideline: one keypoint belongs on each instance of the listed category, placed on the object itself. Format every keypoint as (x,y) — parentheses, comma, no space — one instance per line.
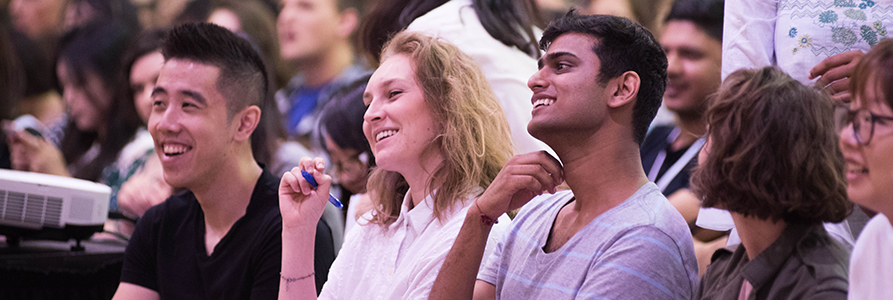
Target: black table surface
(37,269)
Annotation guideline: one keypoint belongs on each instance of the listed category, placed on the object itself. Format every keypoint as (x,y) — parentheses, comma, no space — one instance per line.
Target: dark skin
(589,126)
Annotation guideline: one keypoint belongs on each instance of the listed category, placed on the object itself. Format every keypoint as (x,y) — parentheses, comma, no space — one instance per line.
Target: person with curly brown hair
(772,161)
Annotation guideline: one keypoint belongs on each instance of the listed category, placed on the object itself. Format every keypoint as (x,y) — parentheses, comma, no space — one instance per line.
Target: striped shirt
(639,249)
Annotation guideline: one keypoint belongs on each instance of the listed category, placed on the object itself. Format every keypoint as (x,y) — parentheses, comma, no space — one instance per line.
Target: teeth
(384,134)
(856,169)
(174,149)
(543,102)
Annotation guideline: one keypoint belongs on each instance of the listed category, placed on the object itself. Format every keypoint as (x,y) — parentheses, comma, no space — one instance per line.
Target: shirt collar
(419,217)
(766,265)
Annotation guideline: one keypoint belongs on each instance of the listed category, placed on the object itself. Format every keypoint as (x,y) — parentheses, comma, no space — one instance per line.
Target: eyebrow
(195,96)
(158,90)
(386,83)
(188,93)
(552,56)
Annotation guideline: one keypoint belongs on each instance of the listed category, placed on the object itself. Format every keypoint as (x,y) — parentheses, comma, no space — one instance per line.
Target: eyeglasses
(862,117)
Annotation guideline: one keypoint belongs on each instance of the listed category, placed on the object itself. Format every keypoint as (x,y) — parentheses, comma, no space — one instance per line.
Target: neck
(419,178)
(757,234)
(226,197)
(692,128)
(601,174)
(323,68)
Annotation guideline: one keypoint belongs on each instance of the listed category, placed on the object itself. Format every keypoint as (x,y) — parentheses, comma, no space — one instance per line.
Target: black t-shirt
(657,140)
(167,251)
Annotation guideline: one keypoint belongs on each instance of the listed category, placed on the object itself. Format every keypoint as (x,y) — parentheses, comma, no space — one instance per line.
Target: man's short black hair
(243,77)
(622,46)
(706,14)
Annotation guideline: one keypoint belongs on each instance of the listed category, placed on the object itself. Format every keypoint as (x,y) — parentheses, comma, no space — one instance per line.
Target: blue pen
(313,183)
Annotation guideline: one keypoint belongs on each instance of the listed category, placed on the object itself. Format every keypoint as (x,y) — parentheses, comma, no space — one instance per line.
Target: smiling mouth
(385,134)
(543,102)
(174,150)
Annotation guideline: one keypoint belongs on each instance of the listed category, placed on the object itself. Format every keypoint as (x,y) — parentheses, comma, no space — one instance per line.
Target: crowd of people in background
(482,149)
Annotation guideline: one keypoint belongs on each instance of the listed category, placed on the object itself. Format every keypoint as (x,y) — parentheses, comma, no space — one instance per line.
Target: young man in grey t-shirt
(613,236)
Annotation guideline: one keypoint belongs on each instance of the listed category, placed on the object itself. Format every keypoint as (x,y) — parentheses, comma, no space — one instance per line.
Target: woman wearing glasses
(772,161)
(867,145)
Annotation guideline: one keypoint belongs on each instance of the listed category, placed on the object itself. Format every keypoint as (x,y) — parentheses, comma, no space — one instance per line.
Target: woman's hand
(34,154)
(144,189)
(300,203)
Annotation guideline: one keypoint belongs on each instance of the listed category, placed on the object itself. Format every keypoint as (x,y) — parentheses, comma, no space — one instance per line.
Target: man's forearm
(458,274)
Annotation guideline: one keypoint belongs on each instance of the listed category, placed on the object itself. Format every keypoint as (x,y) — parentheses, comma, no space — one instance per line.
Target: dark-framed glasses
(863,122)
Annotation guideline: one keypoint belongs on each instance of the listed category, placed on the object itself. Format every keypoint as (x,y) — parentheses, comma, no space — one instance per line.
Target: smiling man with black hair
(221,238)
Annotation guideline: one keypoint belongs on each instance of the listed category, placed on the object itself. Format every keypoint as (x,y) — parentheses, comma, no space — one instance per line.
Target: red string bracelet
(487,220)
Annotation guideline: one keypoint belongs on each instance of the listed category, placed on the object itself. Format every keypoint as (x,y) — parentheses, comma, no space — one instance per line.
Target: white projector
(50,207)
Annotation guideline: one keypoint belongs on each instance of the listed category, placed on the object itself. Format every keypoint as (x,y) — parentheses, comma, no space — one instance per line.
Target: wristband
(487,220)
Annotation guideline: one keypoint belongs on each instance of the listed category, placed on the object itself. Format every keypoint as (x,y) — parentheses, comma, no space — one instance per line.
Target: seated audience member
(498,34)
(692,39)
(613,235)
(221,238)
(102,140)
(314,37)
(439,138)
(341,125)
(867,144)
(772,161)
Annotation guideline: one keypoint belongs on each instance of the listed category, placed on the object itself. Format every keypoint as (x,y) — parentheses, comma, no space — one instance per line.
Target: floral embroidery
(805,41)
(855,14)
(869,35)
(828,17)
(866,4)
(792,32)
(843,36)
(878,25)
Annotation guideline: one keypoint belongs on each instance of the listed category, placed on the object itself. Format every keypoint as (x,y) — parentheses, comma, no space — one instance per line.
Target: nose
(536,81)
(848,137)
(165,121)
(674,66)
(373,112)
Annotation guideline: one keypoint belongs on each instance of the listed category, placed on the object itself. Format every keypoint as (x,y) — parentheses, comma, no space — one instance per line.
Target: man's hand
(522,178)
(302,205)
(835,73)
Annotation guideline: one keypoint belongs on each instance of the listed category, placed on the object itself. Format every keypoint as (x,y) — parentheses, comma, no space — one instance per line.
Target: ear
(624,88)
(348,21)
(247,121)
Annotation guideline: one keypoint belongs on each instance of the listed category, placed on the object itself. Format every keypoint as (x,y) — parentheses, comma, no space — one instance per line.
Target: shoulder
(649,207)
(657,135)
(265,199)
(824,259)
